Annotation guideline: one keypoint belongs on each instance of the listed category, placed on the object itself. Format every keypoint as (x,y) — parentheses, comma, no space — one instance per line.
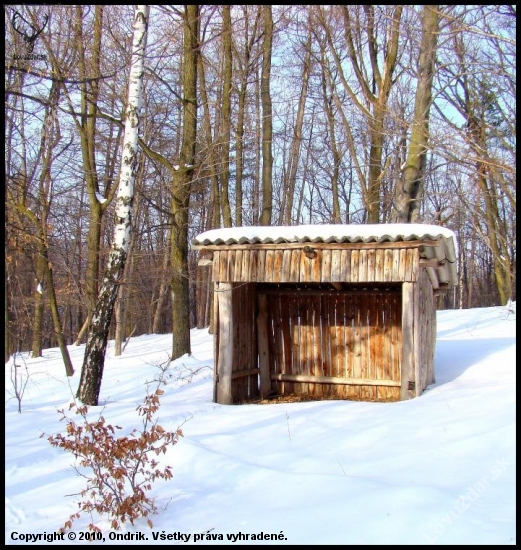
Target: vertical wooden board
(278,337)
(379,335)
(286,266)
(409,265)
(397,338)
(357,351)
(244,336)
(415,264)
(352,391)
(348,329)
(313,342)
(286,335)
(345,266)
(308,336)
(416,339)
(386,336)
(367,366)
(261,265)
(301,342)
(226,344)
(379,265)
(402,265)
(336,261)
(371,258)
(327,343)
(388,264)
(362,266)
(355,254)
(433,339)
(277,266)
(374,343)
(326,266)
(296,367)
(343,349)
(252,270)
(316,267)
(245,266)
(407,368)
(230,268)
(263,343)
(237,268)
(295,266)
(239,321)
(216,266)
(223,263)
(215,341)
(364,364)
(395,275)
(386,393)
(333,329)
(270,255)
(253,342)
(330,335)
(305,268)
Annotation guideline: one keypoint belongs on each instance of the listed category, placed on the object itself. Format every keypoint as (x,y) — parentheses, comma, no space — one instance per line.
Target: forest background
(301,114)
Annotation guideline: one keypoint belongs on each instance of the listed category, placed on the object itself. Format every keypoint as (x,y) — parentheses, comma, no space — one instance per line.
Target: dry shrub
(121,470)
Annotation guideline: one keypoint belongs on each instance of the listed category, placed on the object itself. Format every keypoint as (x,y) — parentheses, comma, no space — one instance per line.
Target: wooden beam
(432,262)
(264,356)
(407,390)
(277,291)
(243,373)
(334,380)
(317,246)
(204,262)
(226,344)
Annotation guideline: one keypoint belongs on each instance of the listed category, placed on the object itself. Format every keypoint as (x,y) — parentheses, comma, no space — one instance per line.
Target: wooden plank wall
(342,344)
(427,332)
(237,371)
(343,265)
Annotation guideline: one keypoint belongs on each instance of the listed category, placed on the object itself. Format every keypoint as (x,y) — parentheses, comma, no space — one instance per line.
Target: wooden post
(408,382)
(264,356)
(226,344)
(215,341)
(417,343)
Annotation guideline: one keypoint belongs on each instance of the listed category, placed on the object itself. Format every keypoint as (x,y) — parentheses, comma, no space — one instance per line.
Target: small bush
(122,469)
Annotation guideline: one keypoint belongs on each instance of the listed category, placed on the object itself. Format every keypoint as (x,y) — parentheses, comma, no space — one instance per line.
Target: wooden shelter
(337,311)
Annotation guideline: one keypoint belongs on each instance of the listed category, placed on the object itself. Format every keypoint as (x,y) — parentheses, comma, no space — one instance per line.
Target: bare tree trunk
(89,90)
(36,346)
(69,369)
(181,190)
(94,360)
(409,189)
(215,203)
(330,115)
(163,289)
(267,120)
(226,120)
(239,147)
(294,157)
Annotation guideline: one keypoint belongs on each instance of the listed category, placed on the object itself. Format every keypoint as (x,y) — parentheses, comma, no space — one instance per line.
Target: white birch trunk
(94,360)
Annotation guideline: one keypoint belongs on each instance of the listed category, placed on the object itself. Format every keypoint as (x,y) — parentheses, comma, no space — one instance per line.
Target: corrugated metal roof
(445,249)
(328,233)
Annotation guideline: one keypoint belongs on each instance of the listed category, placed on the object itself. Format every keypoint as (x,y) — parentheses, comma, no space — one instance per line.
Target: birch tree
(93,362)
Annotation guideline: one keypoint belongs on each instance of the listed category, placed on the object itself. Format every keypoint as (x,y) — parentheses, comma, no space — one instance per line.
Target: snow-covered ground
(439,469)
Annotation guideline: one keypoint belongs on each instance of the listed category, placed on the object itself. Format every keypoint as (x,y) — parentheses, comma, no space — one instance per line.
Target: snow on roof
(327,233)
